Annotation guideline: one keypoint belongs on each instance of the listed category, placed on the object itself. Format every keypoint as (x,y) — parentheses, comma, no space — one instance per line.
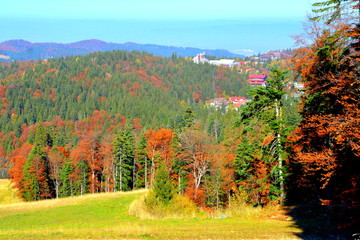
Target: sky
(245,27)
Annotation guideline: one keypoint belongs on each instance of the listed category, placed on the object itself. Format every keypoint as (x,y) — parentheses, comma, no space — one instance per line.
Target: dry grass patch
(271,212)
(7,194)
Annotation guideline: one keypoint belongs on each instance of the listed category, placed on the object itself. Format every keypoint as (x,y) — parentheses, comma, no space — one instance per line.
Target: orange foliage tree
(198,153)
(87,150)
(18,160)
(326,150)
(159,149)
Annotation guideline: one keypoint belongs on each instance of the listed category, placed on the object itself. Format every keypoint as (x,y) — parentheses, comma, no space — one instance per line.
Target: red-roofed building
(237,100)
(257,79)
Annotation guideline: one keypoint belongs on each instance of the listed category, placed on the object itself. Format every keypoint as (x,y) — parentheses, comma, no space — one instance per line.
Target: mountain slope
(24,50)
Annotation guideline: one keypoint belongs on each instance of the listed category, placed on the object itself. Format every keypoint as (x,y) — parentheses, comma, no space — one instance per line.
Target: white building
(230,63)
(200,58)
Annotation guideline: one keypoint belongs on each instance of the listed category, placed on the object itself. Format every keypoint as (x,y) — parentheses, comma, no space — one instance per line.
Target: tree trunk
(57,188)
(121,174)
(152,169)
(146,172)
(278,139)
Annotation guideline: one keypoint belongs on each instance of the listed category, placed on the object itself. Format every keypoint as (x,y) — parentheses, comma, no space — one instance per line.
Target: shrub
(149,207)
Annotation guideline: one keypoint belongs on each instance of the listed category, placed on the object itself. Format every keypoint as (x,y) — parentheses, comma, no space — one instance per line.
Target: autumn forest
(119,121)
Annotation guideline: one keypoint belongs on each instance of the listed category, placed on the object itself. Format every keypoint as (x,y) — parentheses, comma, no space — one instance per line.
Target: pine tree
(30,184)
(36,182)
(80,178)
(143,164)
(65,186)
(163,187)
(124,159)
(265,112)
(189,117)
(244,156)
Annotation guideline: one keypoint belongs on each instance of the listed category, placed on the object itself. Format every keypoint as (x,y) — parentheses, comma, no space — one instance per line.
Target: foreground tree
(326,146)
(163,187)
(328,136)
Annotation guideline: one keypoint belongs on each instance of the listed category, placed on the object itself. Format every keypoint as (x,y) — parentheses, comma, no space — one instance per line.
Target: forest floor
(105,216)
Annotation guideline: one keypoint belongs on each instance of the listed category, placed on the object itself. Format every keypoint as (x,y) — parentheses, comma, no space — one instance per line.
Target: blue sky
(238,26)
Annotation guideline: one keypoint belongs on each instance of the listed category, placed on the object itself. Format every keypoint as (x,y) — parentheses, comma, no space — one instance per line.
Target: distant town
(253,79)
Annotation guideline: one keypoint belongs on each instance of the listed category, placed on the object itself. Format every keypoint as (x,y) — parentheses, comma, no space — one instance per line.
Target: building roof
(237,99)
(260,76)
(257,79)
(224,62)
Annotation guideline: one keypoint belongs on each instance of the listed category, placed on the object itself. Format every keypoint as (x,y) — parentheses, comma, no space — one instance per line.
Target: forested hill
(134,85)
(24,50)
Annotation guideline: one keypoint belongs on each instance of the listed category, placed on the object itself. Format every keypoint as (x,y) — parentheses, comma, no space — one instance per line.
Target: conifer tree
(65,188)
(143,164)
(124,159)
(80,178)
(36,182)
(163,187)
(189,117)
(30,184)
(265,112)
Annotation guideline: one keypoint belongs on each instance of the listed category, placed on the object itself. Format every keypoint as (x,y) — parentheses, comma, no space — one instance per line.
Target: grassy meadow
(106,216)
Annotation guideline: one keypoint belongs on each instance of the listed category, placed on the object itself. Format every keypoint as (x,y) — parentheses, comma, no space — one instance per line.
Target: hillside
(24,50)
(95,96)
(105,216)
(130,84)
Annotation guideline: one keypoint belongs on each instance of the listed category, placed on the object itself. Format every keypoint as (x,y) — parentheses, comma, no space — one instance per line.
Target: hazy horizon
(240,27)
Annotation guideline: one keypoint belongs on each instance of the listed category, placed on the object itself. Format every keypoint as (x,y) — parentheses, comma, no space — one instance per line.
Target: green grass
(105,216)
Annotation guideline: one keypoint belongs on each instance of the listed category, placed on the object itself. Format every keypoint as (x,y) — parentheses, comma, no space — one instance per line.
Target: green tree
(163,187)
(124,159)
(142,163)
(30,191)
(244,155)
(36,182)
(266,107)
(65,188)
(80,178)
(331,10)
(189,117)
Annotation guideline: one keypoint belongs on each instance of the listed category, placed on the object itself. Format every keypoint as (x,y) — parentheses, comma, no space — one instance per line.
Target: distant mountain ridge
(24,50)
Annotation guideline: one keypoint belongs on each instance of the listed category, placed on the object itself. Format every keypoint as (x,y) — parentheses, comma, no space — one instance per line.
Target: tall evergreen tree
(266,109)
(189,117)
(124,159)
(142,164)
(65,188)
(80,178)
(163,187)
(36,182)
